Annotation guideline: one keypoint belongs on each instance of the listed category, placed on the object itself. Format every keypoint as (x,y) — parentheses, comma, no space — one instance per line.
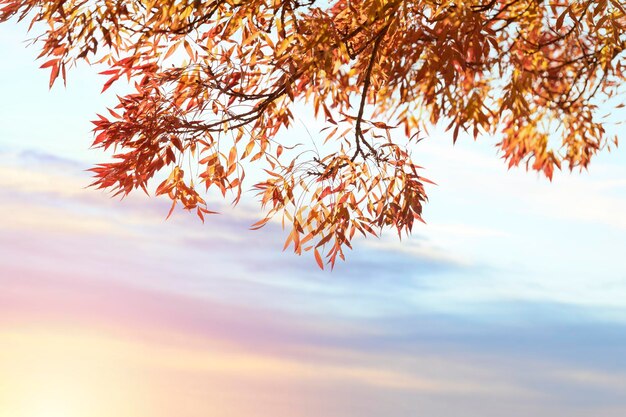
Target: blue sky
(511,300)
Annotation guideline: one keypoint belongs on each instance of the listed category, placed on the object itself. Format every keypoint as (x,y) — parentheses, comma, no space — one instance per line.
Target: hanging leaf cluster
(215,82)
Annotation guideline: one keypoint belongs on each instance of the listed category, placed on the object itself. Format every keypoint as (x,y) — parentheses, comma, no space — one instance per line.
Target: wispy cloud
(220,318)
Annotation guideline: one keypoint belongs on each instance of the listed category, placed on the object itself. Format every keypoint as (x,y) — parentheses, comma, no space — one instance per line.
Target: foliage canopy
(215,81)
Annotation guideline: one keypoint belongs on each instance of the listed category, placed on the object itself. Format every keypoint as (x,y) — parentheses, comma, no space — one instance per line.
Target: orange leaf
(318,258)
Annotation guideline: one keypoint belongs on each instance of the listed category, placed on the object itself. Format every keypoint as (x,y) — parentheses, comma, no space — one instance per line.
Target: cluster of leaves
(216,81)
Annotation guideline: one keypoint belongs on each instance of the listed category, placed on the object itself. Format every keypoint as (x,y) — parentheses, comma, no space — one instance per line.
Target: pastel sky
(510,301)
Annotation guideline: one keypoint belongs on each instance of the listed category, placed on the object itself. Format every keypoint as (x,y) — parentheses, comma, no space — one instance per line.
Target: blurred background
(510,301)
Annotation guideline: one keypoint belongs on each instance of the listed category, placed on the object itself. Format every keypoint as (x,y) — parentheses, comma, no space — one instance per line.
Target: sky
(511,300)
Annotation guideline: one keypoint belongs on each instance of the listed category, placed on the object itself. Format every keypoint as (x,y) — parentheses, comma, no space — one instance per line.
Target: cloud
(595,197)
(446,266)
(202,316)
(606,384)
(421,362)
(46,197)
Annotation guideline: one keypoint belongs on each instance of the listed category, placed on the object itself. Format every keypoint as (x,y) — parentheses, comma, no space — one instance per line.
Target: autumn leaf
(215,86)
